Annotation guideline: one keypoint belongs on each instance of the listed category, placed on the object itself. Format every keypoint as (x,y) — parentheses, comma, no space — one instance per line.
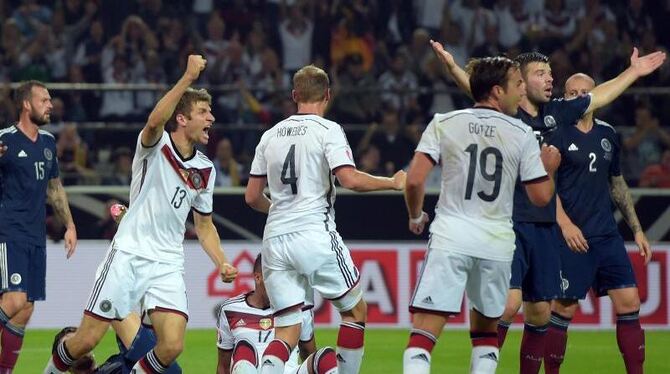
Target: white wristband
(418,220)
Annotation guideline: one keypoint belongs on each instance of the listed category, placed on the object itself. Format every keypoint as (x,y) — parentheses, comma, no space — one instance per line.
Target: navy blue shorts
(606,266)
(536,266)
(23,268)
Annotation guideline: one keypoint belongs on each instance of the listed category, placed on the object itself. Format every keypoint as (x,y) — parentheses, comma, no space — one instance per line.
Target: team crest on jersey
(15,279)
(607,146)
(196,179)
(48,154)
(549,121)
(105,305)
(265,323)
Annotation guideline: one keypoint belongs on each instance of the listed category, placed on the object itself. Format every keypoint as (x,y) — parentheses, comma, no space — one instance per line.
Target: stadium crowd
(383,70)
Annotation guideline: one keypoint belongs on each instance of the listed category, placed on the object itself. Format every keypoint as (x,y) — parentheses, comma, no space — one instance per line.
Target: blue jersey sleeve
(569,111)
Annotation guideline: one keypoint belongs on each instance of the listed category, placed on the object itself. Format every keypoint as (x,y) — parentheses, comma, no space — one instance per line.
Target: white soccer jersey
(164,188)
(298,156)
(238,320)
(482,152)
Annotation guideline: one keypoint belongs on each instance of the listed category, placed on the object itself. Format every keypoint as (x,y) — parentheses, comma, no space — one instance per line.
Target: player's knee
(358,313)
(14,302)
(565,308)
(628,305)
(170,349)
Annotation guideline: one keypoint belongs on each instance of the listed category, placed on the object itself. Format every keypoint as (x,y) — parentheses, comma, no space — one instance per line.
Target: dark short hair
(25,91)
(185,105)
(61,334)
(310,84)
(529,57)
(488,72)
(258,268)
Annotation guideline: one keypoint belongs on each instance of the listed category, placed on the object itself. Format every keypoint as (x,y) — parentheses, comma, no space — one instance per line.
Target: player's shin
(630,338)
(350,341)
(485,352)
(274,358)
(503,327)
(60,361)
(532,348)
(12,341)
(149,364)
(555,342)
(416,359)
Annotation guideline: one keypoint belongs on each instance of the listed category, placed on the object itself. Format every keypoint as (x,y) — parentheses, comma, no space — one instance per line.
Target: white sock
(484,359)
(271,365)
(349,360)
(51,368)
(416,361)
(244,367)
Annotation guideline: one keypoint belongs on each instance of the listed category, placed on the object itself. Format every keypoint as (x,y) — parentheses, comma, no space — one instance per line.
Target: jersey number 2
(288,171)
(495,177)
(592,166)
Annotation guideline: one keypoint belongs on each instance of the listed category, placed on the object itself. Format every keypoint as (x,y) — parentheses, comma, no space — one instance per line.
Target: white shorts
(125,281)
(295,262)
(446,275)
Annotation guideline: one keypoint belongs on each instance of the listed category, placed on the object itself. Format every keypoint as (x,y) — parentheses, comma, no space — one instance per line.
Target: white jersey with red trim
(482,153)
(165,187)
(238,320)
(298,156)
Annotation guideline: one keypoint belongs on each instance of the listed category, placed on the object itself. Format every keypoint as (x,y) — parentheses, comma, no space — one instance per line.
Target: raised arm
(211,243)
(605,93)
(58,200)
(356,180)
(165,107)
(459,75)
(623,200)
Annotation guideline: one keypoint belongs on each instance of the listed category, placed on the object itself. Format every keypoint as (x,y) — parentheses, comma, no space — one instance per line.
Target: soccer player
(590,172)
(245,329)
(536,265)
(298,158)
(28,177)
(144,264)
(482,152)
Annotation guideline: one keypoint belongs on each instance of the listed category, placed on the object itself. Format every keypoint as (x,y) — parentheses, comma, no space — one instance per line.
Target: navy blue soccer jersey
(25,171)
(552,115)
(588,162)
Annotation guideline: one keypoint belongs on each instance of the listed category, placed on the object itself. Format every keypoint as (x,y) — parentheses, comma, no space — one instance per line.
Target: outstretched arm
(605,93)
(165,107)
(624,201)
(459,75)
(359,181)
(58,199)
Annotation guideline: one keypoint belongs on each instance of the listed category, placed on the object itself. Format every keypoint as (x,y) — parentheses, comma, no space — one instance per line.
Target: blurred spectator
(657,175)
(117,105)
(253,51)
(430,14)
(395,148)
(229,172)
(471,16)
(8,113)
(451,37)
(122,171)
(271,81)
(419,50)
(229,69)
(369,161)
(512,21)
(490,46)
(635,20)
(56,122)
(355,100)
(81,105)
(645,145)
(89,53)
(73,157)
(30,15)
(295,32)
(215,45)
(399,85)
(557,23)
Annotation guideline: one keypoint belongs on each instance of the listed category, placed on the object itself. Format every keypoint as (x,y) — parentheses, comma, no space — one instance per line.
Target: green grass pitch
(588,352)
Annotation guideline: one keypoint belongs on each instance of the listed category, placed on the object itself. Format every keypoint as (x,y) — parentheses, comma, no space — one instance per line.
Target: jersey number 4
(288,170)
(495,177)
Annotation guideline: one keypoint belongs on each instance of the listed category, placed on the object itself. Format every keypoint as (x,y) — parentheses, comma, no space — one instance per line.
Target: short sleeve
(572,110)
(204,201)
(224,337)
(307,329)
(54,172)
(530,165)
(615,164)
(142,151)
(259,166)
(337,149)
(430,141)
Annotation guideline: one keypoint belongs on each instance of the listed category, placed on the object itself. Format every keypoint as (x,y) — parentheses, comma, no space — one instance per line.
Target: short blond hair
(310,84)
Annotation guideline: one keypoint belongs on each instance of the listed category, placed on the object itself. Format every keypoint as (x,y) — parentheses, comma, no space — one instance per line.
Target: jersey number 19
(495,177)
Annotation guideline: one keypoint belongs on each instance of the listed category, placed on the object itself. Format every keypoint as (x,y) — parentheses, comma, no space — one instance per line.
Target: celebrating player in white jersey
(144,264)
(245,328)
(301,248)
(482,151)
